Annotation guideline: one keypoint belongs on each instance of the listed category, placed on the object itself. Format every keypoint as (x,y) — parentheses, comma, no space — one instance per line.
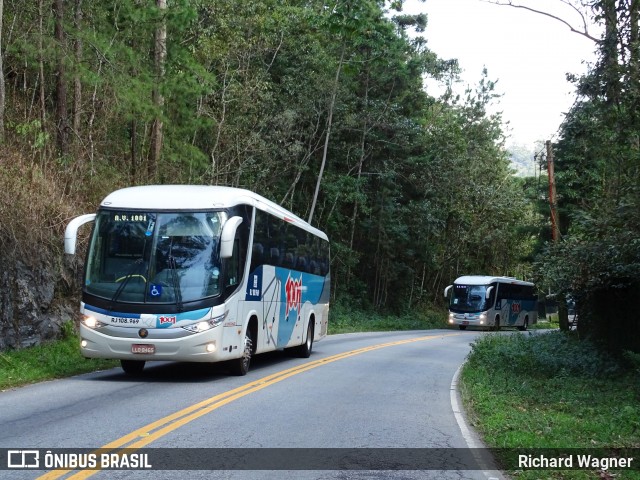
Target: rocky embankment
(34,300)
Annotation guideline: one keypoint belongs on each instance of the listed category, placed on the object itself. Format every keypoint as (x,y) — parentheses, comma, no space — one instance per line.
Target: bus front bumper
(199,347)
(468,319)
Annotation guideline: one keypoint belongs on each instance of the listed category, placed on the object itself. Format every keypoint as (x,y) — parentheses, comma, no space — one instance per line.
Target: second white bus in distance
(492,302)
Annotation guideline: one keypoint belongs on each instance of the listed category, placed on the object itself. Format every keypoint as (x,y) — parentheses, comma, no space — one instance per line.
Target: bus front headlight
(91,322)
(451,318)
(205,325)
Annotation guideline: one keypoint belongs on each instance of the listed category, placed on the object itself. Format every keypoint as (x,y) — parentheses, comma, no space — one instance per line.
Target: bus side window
(274,256)
(257,257)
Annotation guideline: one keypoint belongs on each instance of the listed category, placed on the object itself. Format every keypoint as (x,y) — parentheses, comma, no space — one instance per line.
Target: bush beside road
(549,390)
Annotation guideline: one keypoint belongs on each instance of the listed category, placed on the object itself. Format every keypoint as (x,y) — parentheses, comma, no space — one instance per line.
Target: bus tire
(496,324)
(132,367)
(525,325)
(304,350)
(240,366)
(462,327)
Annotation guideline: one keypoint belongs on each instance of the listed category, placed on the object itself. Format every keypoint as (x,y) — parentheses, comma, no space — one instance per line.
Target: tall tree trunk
(633,84)
(634,61)
(363,143)
(334,94)
(2,89)
(43,111)
(62,121)
(77,85)
(634,37)
(133,139)
(160,56)
(610,52)
(92,117)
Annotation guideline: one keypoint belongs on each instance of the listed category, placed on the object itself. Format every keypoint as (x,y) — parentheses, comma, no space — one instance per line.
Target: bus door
(503,305)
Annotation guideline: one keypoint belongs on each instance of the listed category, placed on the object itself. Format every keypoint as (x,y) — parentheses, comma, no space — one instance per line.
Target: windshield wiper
(176,283)
(132,271)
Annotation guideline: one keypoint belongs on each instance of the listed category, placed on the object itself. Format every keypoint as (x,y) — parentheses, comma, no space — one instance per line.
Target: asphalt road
(354,400)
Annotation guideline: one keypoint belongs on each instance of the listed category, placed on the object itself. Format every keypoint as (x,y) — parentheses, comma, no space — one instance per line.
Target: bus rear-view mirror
(71,232)
(227,236)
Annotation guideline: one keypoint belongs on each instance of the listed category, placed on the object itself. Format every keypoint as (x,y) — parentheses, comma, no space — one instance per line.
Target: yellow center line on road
(155,430)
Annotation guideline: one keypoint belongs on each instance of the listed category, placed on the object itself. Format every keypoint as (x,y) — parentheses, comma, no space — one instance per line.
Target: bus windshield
(469,298)
(153,257)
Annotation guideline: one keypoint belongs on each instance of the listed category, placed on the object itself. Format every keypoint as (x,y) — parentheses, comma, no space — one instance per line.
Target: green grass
(344,320)
(545,323)
(552,391)
(55,359)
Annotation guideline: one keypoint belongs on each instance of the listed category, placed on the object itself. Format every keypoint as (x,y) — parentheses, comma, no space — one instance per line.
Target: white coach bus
(199,274)
(492,302)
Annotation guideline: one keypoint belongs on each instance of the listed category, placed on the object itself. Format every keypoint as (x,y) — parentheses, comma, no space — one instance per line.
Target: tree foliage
(416,190)
(598,176)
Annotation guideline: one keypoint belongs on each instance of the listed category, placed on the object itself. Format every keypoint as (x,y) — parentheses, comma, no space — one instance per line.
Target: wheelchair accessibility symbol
(155,290)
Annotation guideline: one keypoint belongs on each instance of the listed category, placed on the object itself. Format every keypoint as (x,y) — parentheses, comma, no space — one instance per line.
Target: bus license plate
(465,322)
(143,348)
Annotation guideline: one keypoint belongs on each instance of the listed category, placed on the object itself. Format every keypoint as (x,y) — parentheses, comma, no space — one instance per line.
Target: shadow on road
(185,372)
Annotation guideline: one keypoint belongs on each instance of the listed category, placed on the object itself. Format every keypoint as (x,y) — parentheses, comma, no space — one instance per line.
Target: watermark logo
(23,459)
(67,459)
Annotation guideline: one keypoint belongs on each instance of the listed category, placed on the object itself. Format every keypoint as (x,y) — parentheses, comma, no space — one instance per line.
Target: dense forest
(322,107)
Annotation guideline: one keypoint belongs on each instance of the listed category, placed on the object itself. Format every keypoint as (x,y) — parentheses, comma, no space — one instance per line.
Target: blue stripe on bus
(104,311)
(191,315)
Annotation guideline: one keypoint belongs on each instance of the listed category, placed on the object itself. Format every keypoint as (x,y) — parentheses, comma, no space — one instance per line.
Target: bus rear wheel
(132,367)
(304,350)
(525,325)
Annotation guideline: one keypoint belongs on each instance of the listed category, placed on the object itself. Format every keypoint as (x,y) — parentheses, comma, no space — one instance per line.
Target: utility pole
(563,314)
(555,230)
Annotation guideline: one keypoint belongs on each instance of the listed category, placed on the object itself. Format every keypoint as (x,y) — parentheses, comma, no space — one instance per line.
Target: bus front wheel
(496,324)
(132,367)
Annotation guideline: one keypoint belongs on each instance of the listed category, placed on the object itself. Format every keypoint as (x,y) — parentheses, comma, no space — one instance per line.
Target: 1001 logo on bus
(515,308)
(293,290)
